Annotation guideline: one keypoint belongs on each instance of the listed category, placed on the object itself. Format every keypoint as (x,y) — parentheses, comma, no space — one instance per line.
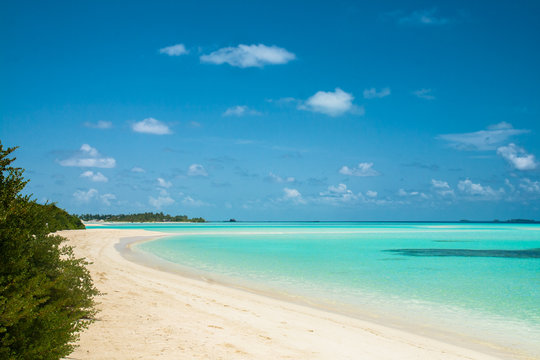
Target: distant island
(141,217)
(510,221)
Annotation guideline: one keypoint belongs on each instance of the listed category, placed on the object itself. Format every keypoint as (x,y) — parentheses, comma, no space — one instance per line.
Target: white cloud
(338,193)
(240,110)
(151,126)
(278,179)
(426,94)
(91,194)
(107,198)
(174,50)
(424,17)
(94,176)
(404,193)
(99,125)
(189,201)
(331,103)
(363,169)
(373,93)
(371,194)
(293,195)
(530,186)
(518,157)
(484,139)
(163,183)
(88,156)
(85,196)
(197,170)
(160,201)
(137,170)
(244,56)
(470,188)
(442,188)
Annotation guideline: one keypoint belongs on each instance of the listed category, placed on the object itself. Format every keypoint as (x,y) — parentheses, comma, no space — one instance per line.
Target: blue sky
(293,110)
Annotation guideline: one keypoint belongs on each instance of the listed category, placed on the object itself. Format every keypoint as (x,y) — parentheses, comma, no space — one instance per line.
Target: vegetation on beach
(141,217)
(46,293)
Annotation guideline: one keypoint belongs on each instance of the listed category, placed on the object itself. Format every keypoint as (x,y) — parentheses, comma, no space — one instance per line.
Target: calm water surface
(484,277)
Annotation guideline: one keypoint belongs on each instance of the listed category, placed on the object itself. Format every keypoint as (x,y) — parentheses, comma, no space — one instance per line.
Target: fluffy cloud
(331,103)
(197,170)
(163,183)
(151,126)
(107,198)
(99,125)
(470,188)
(404,193)
(85,196)
(94,176)
(160,201)
(91,194)
(88,156)
(189,201)
(137,170)
(371,194)
(338,193)
(484,139)
(174,50)
(244,56)
(530,186)
(293,195)
(363,169)
(426,94)
(518,157)
(373,93)
(442,188)
(423,18)
(240,110)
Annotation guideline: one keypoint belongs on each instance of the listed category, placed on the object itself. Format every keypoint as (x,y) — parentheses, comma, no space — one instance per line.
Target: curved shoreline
(151,313)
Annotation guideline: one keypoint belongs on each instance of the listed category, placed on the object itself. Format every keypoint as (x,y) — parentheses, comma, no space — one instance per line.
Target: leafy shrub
(46,294)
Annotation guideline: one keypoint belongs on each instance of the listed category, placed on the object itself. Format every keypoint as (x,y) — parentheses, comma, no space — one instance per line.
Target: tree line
(140,217)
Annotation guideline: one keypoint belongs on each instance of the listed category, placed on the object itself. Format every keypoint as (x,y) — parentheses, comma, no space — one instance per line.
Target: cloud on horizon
(470,188)
(244,56)
(160,201)
(292,195)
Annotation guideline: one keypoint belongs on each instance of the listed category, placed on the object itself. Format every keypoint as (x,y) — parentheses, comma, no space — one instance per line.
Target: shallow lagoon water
(473,278)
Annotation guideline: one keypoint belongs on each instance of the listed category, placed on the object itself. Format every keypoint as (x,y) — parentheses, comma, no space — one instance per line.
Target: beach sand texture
(150,314)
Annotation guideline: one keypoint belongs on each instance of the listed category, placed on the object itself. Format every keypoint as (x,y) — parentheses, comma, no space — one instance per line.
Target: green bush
(46,294)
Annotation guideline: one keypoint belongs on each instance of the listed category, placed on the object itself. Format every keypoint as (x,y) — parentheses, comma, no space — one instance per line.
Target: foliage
(59,219)
(46,294)
(142,217)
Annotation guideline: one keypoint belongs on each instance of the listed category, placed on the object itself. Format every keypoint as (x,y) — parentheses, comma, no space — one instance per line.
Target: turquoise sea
(475,282)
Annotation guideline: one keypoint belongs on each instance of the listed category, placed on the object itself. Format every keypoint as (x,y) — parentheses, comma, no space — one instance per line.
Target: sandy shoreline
(146,313)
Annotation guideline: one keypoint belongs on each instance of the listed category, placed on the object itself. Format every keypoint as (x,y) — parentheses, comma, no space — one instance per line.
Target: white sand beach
(150,314)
